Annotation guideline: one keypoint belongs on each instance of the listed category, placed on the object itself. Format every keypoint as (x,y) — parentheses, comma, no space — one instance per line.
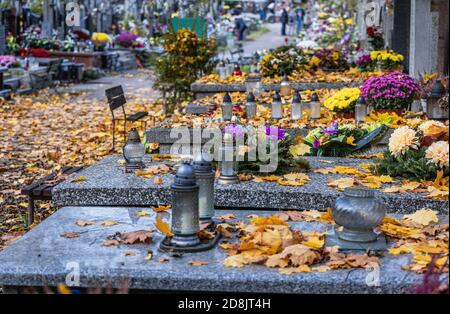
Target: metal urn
(435,109)
(358,212)
(205,175)
(134,151)
(227,108)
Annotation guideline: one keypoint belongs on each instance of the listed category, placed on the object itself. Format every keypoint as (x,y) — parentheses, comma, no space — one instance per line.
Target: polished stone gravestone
(2,40)
(107,184)
(43,257)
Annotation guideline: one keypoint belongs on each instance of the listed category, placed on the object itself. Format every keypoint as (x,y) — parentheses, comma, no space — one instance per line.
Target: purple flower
(332,130)
(275,133)
(316,144)
(236,130)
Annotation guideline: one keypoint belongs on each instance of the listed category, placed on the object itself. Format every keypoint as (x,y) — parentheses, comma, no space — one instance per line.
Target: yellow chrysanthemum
(343,99)
(402,140)
(100,38)
(437,153)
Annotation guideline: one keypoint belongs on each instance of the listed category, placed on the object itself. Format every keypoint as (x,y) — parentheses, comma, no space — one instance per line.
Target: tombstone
(2,40)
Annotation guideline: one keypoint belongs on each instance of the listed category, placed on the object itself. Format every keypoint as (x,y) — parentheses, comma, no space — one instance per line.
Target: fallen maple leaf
(423,217)
(197,263)
(342,184)
(134,237)
(161,208)
(71,235)
(226,217)
(142,214)
(79,179)
(294,270)
(109,223)
(84,223)
(163,227)
(110,243)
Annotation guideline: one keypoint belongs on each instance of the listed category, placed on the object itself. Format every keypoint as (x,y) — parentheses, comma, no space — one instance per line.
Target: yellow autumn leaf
(342,184)
(143,214)
(301,149)
(163,227)
(109,223)
(79,179)
(351,141)
(423,217)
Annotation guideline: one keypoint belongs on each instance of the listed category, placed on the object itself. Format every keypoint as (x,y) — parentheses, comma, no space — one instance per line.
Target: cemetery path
(42,132)
(270,40)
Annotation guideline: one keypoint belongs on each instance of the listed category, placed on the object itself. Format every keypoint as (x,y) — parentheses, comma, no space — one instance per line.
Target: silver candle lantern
(205,179)
(185,207)
(315,107)
(435,109)
(277,107)
(227,108)
(134,151)
(357,213)
(285,87)
(296,107)
(250,106)
(228,162)
(360,110)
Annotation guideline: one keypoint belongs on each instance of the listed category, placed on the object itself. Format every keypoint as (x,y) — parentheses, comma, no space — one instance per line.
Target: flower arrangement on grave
(283,61)
(12,47)
(187,57)
(126,40)
(343,101)
(387,60)
(272,137)
(417,155)
(375,38)
(100,40)
(336,140)
(390,91)
(9,61)
(365,63)
(331,59)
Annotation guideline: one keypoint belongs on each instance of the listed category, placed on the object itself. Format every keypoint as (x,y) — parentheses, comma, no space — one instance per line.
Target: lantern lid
(297,98)
(314,97)
(362,192)
(133,136)
(361,100)
(185,176)
(276,97)
(202,163)
(227,98)
(251,97)
(438,89)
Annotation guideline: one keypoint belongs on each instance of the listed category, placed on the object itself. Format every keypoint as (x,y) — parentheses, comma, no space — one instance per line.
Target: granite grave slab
(107,184)
(43,257)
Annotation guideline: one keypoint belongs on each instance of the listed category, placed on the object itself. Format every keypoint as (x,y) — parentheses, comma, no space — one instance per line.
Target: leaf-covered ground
(41,133)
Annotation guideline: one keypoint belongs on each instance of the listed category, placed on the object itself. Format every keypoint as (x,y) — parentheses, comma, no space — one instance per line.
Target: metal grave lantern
(360,110)
(285,87)
(315,107)
(228,162)
(205,175)
(250,106)
(296,107)
(253,84)
(435,109)
(357,213)
(185,215)
(227,107)
(134,151)
(277,107)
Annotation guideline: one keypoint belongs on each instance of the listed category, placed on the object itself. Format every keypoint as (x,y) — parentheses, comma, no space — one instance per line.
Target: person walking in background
(284,20)
(300,18)
(240,27)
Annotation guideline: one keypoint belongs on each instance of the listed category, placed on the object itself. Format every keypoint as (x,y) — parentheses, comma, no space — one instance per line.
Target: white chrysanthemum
(437,153)
(401,140)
